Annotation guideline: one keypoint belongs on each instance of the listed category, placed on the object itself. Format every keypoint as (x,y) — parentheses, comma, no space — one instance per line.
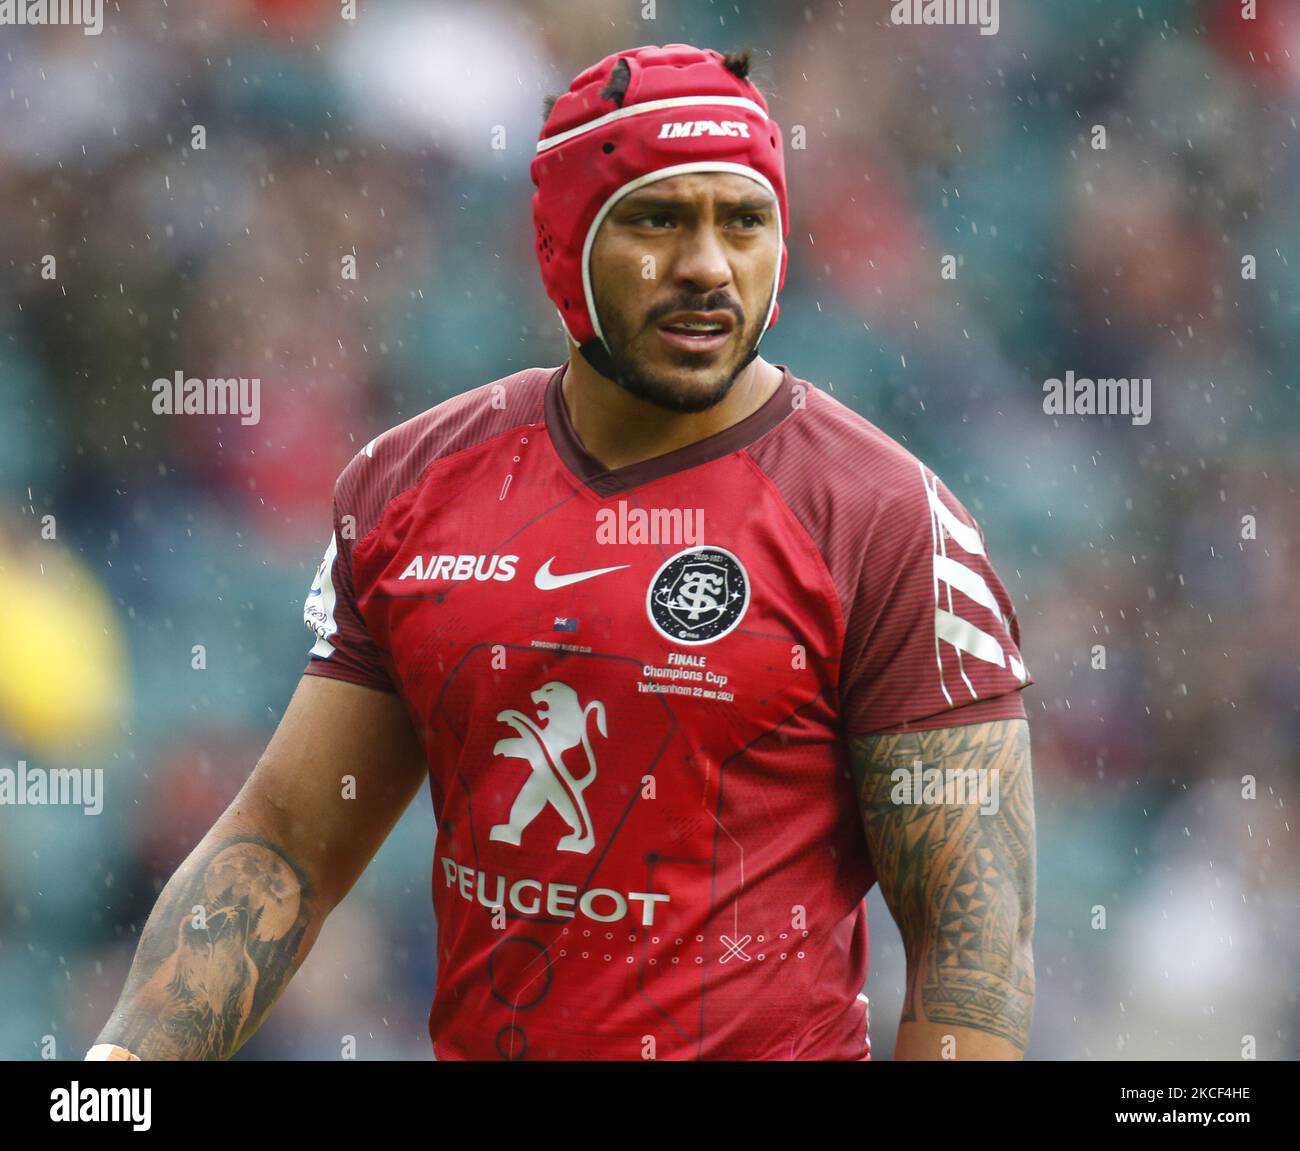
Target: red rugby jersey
(633,688)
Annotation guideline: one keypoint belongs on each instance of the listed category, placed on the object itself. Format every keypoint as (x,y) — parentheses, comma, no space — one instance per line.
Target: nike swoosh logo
(548,582)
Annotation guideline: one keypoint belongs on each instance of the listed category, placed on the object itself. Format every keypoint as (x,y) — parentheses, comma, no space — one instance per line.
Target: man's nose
(702,260)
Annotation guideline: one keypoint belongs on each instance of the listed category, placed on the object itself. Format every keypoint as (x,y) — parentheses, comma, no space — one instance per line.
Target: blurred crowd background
(374,138)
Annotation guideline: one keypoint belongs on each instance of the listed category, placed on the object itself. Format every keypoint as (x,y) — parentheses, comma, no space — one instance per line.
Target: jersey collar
(608,481)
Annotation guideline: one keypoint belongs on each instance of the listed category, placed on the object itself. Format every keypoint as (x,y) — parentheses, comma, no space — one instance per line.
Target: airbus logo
(546,580)
(459,568)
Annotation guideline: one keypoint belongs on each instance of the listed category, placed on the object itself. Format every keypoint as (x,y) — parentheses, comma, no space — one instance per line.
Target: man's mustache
(735,309)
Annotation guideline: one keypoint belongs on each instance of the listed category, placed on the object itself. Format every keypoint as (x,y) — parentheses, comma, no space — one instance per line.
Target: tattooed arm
(238,917)
(959,880)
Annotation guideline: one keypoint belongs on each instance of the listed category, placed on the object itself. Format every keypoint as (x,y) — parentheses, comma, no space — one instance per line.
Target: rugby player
(689,654)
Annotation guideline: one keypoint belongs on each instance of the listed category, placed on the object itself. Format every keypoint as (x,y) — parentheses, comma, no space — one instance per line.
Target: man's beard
(655,389)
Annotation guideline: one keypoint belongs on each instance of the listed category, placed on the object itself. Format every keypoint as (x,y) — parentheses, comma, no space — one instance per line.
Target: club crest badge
(698,596)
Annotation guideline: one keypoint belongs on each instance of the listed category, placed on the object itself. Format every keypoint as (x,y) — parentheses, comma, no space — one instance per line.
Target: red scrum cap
(684,111)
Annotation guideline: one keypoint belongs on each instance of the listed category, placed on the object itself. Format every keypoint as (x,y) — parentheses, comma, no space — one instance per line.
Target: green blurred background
(373,137)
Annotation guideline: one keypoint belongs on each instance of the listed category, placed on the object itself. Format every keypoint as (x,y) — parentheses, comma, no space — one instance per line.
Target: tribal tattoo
(958,878)
(225,937)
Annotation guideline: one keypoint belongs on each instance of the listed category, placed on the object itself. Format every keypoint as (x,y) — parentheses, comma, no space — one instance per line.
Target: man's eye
(757,220)
(650,218)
